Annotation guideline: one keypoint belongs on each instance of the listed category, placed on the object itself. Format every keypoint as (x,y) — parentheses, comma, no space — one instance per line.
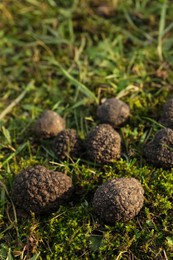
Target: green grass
(63,55)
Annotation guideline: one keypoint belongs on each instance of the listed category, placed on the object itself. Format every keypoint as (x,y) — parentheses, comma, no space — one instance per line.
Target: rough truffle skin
(49,125)
(118,200)
(103,144)
(167,114)
(39,190)
(114,112)
(67,144)
(159,151)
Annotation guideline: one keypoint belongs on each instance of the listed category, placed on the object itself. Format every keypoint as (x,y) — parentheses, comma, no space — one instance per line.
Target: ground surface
(67,56)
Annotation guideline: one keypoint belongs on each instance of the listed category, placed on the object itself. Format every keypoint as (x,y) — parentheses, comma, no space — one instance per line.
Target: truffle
(39,190)
(118,200)
(167,114)
(67,144)
(114,112)
(159,151)
(103,144)
(49,125)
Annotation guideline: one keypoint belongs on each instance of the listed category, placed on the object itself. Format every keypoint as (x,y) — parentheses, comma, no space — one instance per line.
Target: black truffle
(103,144)
(167,114)
(67,144)
(114,112)
(49,125)
(159,151)
(39,190)
(118,200)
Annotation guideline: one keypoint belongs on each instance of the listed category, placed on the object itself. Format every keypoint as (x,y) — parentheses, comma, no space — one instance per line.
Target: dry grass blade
(161,30)
(17,100)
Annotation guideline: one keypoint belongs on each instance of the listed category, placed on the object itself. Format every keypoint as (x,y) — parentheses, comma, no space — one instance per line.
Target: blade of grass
(154,122)
(19,149)
(135,27)
(2,201)
(17,100)
(9,256)
(6,133)
(170,26)
(13,222)
(161,30)
(35,256)
(82,88)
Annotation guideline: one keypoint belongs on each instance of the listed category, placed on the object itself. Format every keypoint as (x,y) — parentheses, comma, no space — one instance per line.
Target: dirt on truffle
(67,144)
(159,151)
(103,144)
(118,200)
(114,112)
(39,190)
(49,125)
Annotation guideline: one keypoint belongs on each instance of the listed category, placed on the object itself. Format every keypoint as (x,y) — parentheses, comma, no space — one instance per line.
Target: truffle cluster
(102,144)
(40,190)
(66,143)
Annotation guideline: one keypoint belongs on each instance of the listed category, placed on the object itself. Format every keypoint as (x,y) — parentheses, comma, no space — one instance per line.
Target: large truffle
(39,190)
(67,144)
(114,112)
(159,151)
(103,144)
(118,199)
(167,114)
(49,125)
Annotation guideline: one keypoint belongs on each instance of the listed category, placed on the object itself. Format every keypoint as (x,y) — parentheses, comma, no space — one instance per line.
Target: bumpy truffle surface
(39,190)
(114,112)
(49,125)
(103,144)
(167,114)
(159,151)
(118,200)
(67,144)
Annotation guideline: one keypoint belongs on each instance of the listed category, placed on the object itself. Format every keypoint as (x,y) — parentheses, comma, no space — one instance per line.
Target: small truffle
(118,200)
(103,144)
(167,114)
(67,144)
(49,125)
(39,190)
(114,112)
(159,151)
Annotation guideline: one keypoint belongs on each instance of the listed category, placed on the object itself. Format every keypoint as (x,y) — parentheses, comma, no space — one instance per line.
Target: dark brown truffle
(159,151)
(114,112)
(118,200)
(67,144)
(39,190)
(49,125)
(167,114)
(103,144)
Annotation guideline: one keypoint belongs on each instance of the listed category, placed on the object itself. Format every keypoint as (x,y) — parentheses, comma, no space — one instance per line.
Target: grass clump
(67,56)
